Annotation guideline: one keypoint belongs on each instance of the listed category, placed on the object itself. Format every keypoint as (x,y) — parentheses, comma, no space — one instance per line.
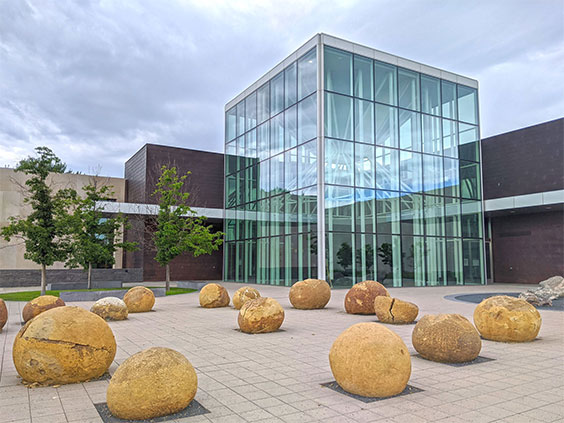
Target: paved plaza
(277,377)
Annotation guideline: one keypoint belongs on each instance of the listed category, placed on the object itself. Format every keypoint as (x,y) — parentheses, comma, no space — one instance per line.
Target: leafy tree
(45,229)
(178,228)
(94,235)
(344,255)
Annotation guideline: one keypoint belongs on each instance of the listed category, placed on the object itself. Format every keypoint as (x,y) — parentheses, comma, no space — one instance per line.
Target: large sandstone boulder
(39,305)
(446,338)
(507,319)
(139,299)
(310,294)
(3,313)
(360,298)
(548,290)
(152,383)
(261,315)
(214,295)
(110,308)
(370,360)
(392,310)
(244,294)
(64,345)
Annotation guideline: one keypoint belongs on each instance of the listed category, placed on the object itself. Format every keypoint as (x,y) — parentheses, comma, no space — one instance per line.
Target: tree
(94,235)
(344,256)
(178,228)
(44,230)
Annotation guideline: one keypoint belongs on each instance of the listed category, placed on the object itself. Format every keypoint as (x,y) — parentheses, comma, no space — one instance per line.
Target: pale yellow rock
(3,313)
(214,295)
(152,383)
(507,319)
(370,360)
(110,308)
(244,294)
(310,294)
(139,299)
(360,298)
(261,315)
(446,338)
(39,305)
(395,311)
(64,345)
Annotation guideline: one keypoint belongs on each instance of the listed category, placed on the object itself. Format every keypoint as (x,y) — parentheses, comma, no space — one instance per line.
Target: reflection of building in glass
(367,169)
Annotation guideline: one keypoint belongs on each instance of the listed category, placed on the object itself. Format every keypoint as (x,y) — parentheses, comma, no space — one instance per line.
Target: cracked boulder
(360,298)
(110,308)
(548,290)
(139,299)
(244,294)
(214,295)
(392,310)
(39,305)
(64,345)
(3,313)
(310,294)
(370,360)
(507,319)
(261,315)
(152,383)
(446,338)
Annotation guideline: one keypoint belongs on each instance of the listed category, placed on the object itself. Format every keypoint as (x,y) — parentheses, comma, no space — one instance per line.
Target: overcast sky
(95,80)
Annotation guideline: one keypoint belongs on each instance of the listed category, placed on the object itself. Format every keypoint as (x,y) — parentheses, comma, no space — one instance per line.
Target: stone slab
(96,295)
(83,285)
(193,409)
(191,284)
(335,387)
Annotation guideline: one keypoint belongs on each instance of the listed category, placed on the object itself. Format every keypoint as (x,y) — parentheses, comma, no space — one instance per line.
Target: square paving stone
(335,387)
(193,409)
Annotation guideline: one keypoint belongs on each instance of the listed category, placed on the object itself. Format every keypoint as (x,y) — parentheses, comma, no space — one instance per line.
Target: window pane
(364,121)
(413,261)
(277,175)
(432,141)
(307,212)
(366,257)
(448,90)
(251,184)
(469,148)
(251,147)
(434,216)
(251,110)
(450,138)
(452,217)
(408,83)
(385,83)
(339,162)
(387,212)
(307,74)
(231,191)
(470,180)
(467,104)
(307,119)
(364,210)
(452,180)
(241,118)
(291,126)
(291,84)
(231,160)
(241,159)
(389,260)
(364,166)
(410,172)
(411,214)
(433,174)
(264,179)
(338,71)
(340,258)
(263,103)
(291,211)
(363,77)
(436,261)
(277,94)
(263,144)
(387,169)
(473,267)
(307,164)
(263,217)
(276,215)
(231,124)
(430,95)
(386,126)
(338,116)
(276,134)
(471,219)
(339,203)
(410,132)
(454,261)
(291,169)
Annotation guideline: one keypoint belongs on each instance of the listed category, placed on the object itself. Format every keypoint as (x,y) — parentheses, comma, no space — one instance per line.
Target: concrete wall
(26,277)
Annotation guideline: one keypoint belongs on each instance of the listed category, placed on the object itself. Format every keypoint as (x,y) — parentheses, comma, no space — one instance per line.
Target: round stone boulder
(446,338)
(151,383)
(110,308)
(64,345)
(3,313)
(392,310)
(214,295)
(507,319)
(139,299)
(370,360)
(310,294)
(244,294)
(261,315)
(39,305)
(360,298)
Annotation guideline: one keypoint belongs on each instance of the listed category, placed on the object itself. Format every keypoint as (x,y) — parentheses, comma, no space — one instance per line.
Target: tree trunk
(167,271)
(43,279)
(89,276)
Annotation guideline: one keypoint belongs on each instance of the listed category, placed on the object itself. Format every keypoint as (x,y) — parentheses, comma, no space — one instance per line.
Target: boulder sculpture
(214,295)
(392,310)
(64,345)
(310,294)
(244,294)
(152,383)
(261,315)
(370,360)
(360,298)
(547,290)
(110,308)
(3,313)
(446,338)
(39,305)
(507,319)
(139,299)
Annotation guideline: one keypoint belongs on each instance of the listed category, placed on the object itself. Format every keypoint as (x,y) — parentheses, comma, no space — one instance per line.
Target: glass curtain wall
(271,179)
(402,175)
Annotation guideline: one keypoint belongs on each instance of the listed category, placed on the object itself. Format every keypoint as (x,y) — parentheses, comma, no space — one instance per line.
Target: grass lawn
(30,295)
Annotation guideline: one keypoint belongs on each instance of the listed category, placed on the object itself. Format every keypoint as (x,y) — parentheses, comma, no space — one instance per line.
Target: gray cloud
(96,80)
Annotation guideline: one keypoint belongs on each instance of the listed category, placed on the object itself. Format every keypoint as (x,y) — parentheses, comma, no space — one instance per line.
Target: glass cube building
(345,163)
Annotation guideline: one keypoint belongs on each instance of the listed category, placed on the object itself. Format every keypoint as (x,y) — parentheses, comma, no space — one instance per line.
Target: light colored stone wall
(12,189)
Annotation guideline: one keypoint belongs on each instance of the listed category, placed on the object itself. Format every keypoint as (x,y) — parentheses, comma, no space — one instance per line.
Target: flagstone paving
(277,377)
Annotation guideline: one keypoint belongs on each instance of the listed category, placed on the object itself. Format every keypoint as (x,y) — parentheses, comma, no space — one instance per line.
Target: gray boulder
(548,290)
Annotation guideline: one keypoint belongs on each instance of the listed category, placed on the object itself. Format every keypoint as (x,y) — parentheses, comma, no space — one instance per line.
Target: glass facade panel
(364,164)
(389,259)
(430,95)
(366,257)
(339,162)
(365,213)
(432,140)
(467,104)
(291,127)
(338,71)
(433,179)
(307,164)
(307,74)
(387,169)
(413,260)
(410,130)
(276,134)
(277,94)
(388,212)
(363,78)
(411,207)
(338,116)
(411,177)
(408,87)
(251,111)
(469,148)
(339,208)
(231,124)
(364,121)
(263,103)
(307,119)
(450,138)
(470,180)
(291,84)
(340,259)
(386,126)
(241,118)
(448,99)
(385,83)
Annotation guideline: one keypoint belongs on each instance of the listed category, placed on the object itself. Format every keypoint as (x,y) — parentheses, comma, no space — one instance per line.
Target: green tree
(45,229)
(94,235)
(344,256)
(178,228)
